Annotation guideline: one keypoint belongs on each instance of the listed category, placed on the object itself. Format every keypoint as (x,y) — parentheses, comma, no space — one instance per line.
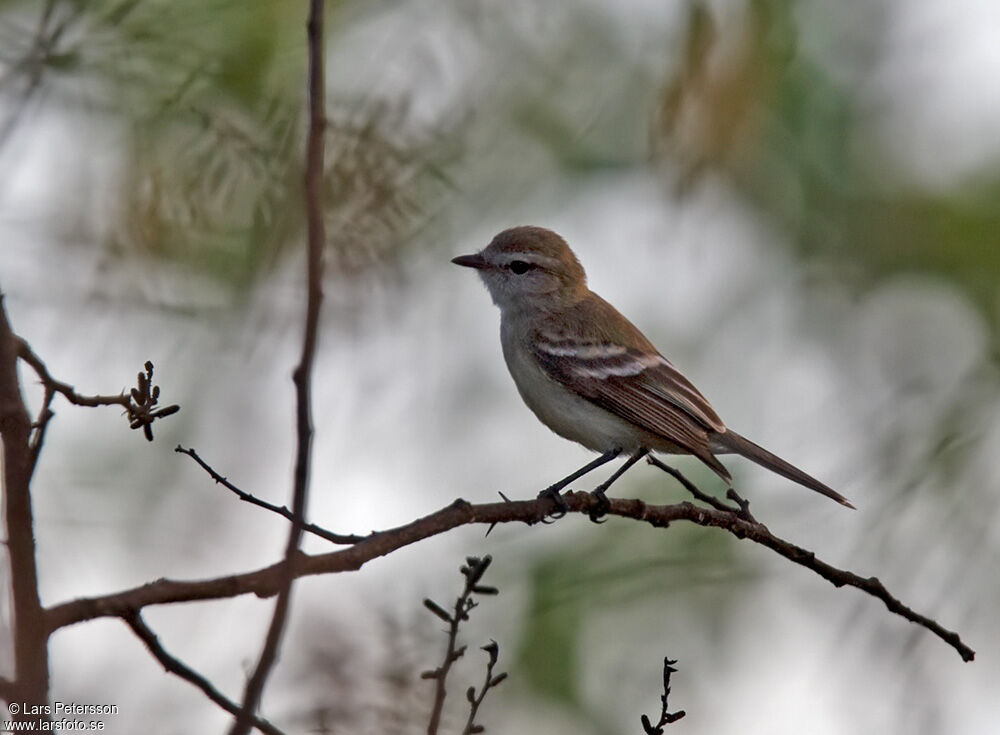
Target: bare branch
(175,666)
(302,375)
(473,571)
(666,717)
(264,582)
(334,538)
(141,403)
(31,666)
(67,391)
(476,699)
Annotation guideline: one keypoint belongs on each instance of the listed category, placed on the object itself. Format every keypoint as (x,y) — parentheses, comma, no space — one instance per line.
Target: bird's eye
(520,266)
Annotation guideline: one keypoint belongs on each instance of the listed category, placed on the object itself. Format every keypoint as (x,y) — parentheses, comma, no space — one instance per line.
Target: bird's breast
(565,412)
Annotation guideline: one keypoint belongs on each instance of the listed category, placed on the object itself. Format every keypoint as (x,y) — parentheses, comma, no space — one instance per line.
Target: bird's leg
(552,491)
(602,500)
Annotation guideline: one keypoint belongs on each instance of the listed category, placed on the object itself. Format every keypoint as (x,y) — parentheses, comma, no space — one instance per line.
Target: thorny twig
(281,510)
(665,717)
(473,571)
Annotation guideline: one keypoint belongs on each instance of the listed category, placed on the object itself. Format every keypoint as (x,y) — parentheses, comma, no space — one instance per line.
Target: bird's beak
(471,261)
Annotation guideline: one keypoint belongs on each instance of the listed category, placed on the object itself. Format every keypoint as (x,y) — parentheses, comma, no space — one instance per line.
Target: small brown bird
(590,375)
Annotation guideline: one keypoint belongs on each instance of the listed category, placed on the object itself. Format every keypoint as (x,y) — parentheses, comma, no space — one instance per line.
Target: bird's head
(529,267)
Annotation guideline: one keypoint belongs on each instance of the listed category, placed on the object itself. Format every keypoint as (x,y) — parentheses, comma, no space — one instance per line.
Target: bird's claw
(601,506)
(552,493)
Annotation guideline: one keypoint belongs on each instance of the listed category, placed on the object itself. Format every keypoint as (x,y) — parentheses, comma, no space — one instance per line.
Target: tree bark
(31,668)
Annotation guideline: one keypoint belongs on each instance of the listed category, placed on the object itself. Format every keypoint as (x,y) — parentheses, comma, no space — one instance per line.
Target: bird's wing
(636,384)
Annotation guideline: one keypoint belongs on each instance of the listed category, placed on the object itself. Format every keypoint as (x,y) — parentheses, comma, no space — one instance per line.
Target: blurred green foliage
(208,96)
(785,137)
(618,568)
(209,99)
(550,643)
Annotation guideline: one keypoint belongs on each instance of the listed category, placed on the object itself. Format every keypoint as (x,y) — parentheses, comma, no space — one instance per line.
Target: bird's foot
(601,506)
(552,493)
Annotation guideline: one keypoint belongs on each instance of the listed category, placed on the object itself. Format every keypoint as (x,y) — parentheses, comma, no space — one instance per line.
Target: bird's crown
(539,248)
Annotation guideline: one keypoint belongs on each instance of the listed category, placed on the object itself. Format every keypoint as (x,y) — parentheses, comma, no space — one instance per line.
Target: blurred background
(798,202)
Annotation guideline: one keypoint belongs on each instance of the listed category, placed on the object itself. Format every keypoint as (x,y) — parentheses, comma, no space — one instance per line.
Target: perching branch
(302,376)
(264,582)
(334,538)
(175,666)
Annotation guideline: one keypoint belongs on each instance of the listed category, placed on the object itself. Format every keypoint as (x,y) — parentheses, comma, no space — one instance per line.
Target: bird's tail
(732,442)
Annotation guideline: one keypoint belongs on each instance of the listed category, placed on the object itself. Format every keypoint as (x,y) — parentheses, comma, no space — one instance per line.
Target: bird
(591,376)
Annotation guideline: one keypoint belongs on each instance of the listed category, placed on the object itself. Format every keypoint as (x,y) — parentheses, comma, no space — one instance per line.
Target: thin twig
(742,509)
(666,717)
(178,668)
(281,510)
(40,425)
(476,699)
(302,376)
(141,403)
(473,571)
(67,391)
(264,582)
